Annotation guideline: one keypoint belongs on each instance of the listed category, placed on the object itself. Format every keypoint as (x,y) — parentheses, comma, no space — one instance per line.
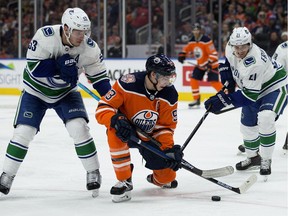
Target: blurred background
(145,27)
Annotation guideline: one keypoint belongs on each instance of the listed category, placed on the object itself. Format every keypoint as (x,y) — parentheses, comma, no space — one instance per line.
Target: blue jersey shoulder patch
(249,61)
(284,45)
(48,31)
(90,42)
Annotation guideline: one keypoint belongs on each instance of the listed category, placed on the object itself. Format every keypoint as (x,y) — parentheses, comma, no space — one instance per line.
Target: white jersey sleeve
(281,55)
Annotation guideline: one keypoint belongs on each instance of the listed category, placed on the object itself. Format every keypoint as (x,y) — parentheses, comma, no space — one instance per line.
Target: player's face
(196,32)
(241,50)
(77,37)
(165,81)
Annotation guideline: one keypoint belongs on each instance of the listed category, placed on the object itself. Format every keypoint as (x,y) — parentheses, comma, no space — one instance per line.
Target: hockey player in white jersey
(262,94)
(281,56)
(56,56)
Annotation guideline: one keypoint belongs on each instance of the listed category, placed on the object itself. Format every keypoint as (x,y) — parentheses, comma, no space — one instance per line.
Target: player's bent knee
(249,133)
(78,129)
(266,121)
(24,134)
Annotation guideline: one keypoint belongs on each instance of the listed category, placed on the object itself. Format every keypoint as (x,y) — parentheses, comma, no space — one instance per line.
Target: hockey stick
(200,122)
(87,90)
(213,173)
(240,190)
(202,67)
(225,110)
(189,62)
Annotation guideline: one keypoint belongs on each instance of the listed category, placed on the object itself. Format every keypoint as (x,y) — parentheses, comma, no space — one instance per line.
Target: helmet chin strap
(154,84)
(67,37)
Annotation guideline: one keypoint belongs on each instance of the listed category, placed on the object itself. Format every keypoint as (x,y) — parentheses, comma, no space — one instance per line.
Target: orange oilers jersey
(156,114)
(203,50)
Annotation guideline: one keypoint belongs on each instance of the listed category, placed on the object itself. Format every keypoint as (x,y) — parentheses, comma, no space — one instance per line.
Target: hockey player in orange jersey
(202,48)
(146,100)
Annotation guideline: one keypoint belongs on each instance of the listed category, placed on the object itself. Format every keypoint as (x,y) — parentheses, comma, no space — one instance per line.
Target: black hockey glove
(122,127)
(176,154)
(217,102)
(181,57)
(68,69)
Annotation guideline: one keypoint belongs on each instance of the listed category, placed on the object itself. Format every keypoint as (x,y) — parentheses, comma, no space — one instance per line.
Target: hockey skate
(249,163)
(5,183)
(121,191)
(195,103)
(265,168)
(93,182)
(169,185)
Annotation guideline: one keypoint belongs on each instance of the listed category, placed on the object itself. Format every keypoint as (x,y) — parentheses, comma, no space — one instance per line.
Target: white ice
(51,180)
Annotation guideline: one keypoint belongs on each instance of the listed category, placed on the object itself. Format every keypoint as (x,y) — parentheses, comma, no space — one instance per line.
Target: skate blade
(240,153)
(95,193)
(254,168)
(121,198)
(194,107)
(265,178)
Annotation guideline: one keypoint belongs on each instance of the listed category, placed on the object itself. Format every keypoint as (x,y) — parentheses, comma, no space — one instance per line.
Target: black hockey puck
(241,148)
(216,198)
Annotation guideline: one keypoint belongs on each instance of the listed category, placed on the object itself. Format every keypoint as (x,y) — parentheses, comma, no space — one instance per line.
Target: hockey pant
(121,160)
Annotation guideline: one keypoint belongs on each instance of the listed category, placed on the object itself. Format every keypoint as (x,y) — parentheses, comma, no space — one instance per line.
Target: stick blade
(248,183)
(214,173)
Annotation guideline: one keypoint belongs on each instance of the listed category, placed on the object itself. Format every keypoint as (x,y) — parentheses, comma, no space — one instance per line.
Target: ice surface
(51,180)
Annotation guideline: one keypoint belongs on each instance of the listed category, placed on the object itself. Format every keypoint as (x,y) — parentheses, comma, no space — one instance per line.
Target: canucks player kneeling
(262,94)
(147,100)
(56,56)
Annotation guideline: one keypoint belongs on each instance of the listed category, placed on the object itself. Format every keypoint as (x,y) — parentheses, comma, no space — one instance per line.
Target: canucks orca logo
(146,120)
(9,66)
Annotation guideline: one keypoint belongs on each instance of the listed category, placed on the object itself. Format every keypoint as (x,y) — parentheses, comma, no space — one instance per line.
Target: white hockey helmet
(76,18)
(240,36)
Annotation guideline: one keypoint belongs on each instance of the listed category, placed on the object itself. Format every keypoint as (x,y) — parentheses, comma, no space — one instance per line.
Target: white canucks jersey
(256,74)
(47,44)
(281,55)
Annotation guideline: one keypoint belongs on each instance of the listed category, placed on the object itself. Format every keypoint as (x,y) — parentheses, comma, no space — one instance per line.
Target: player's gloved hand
(176,154)
(122,126)
(209,67)
(68,69)
(181,57)
(226,75)
(217,102)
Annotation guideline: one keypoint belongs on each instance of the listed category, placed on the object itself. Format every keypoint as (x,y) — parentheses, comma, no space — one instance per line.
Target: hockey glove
(176,154)
(122,127)
(68,69)
(226,75)
(181,57)
(217,102)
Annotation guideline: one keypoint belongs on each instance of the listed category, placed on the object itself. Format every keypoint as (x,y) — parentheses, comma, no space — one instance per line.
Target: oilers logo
(145,119)
(198,53)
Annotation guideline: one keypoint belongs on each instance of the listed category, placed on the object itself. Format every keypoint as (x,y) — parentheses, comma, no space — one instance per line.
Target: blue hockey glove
(122,126)
(226,75)
(217,102)
(68,69)
(181,57)
(176,154)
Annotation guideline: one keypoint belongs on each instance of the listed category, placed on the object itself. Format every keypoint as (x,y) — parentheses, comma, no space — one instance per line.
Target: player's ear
(153,74)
